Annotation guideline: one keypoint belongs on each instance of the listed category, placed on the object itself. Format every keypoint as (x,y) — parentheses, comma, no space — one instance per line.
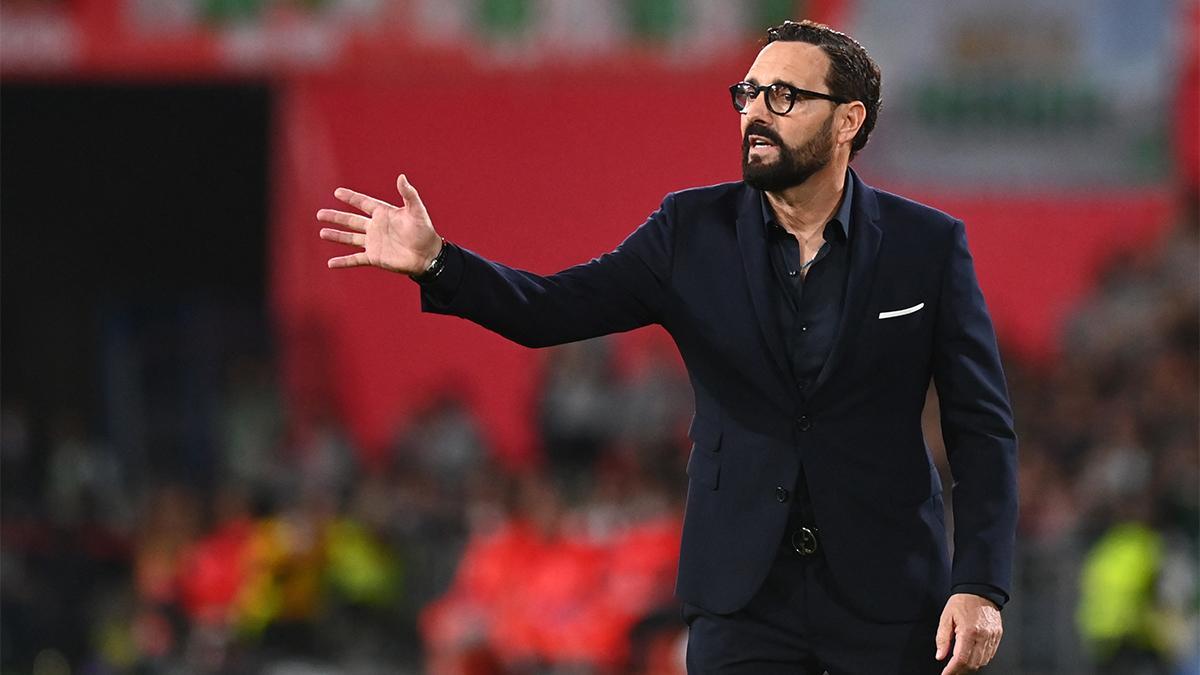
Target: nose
(756,111)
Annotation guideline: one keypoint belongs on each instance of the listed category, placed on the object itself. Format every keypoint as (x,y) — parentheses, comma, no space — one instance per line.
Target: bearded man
(811,310)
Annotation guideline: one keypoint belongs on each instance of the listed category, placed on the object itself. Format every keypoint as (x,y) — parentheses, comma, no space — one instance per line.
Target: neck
(804,209)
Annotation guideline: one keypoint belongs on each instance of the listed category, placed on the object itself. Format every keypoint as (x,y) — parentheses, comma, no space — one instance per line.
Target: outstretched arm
(618,291)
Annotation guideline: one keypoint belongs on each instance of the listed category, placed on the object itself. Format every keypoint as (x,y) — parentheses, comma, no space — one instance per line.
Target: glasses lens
(780,99)
(741,97)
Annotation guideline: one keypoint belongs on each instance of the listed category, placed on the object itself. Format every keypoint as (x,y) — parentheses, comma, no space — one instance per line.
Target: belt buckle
(804,540)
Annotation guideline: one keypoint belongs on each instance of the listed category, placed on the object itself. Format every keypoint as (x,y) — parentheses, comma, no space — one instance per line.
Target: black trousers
(797,624)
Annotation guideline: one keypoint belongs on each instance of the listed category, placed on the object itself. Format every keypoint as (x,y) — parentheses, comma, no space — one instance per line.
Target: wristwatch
(436,266)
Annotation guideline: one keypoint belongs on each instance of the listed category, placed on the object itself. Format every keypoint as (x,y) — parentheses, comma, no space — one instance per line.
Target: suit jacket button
(804,422)
(781,494)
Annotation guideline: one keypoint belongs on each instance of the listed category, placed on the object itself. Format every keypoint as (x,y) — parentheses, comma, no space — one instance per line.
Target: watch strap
(435,268)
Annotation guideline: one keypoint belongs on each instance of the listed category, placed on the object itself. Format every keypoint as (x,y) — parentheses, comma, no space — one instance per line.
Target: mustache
(757,129)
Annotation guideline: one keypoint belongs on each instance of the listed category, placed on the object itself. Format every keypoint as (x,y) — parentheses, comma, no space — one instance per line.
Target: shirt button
(804,328)
(804,422)
(781,494)
(791,273)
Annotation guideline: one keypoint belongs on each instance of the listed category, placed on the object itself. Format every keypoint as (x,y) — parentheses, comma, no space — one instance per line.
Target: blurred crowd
(1110,458)
(297,557)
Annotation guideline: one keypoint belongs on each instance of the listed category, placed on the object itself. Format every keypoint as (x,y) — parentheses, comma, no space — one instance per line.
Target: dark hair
(852,74)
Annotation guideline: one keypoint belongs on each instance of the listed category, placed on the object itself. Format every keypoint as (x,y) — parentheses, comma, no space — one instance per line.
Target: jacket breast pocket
(903,321)
(704,464)
(900,332)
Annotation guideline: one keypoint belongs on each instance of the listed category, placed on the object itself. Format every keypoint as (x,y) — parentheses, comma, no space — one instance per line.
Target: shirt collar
(841,216)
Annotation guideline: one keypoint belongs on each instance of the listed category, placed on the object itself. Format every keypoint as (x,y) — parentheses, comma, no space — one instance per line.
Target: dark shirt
(808,308)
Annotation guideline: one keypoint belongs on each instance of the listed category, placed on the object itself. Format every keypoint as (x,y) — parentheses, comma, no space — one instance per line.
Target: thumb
(407,191)
(944,632)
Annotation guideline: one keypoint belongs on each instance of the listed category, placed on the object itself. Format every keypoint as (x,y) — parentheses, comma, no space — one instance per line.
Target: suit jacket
(912,310)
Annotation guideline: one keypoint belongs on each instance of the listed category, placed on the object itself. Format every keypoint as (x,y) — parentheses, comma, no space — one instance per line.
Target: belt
(804,540)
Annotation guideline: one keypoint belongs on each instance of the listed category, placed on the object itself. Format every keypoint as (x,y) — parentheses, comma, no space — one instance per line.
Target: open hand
(973,623)
(395,238)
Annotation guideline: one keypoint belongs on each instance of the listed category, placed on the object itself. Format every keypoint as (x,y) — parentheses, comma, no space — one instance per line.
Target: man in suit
(812,311)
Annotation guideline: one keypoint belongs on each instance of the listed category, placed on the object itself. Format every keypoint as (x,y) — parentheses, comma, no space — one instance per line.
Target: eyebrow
(754,82)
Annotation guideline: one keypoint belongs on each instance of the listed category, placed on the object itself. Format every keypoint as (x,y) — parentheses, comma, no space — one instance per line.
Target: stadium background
(218,456)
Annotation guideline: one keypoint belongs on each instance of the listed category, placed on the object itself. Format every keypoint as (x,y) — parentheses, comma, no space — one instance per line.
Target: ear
(851,120)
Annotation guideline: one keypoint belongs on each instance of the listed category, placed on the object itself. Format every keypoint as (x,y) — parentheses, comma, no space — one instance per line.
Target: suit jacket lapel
(752,240)
(865,237)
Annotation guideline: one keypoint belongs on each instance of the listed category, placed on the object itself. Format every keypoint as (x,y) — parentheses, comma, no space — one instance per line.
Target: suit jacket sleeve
(618,291)
(977,425)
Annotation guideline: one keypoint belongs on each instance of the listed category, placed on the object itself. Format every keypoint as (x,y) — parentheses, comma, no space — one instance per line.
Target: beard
(793,166)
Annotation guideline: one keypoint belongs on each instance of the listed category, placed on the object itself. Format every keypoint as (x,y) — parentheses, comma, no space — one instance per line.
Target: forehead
(797,63)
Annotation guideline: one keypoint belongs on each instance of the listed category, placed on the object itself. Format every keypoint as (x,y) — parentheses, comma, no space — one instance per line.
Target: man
(811,311)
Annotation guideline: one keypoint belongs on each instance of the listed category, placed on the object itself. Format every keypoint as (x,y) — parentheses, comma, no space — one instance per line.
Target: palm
(394,238)
(391,236)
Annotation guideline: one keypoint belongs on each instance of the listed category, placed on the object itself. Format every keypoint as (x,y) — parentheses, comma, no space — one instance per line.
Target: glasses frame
(797,94)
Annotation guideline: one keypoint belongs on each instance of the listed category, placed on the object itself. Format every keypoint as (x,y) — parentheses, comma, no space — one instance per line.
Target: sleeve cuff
(443,289)
(983,590)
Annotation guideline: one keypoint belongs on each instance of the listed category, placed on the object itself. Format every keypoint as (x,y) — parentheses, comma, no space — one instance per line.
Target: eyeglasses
(780,97)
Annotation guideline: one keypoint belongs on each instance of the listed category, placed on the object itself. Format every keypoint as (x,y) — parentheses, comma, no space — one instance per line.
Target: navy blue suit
(698,266)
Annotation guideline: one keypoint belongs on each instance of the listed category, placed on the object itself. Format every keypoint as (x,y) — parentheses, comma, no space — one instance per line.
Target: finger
(407,191)
(956,666)
(964,647)
(983,655)
(975,658)
(353,260)
(996,644)
(985,647)
(350,220)
(944,631)
(351,238)
(367,205)
(988,652)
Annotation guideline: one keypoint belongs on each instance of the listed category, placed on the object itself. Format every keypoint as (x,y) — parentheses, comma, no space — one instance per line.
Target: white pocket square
(901,312)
